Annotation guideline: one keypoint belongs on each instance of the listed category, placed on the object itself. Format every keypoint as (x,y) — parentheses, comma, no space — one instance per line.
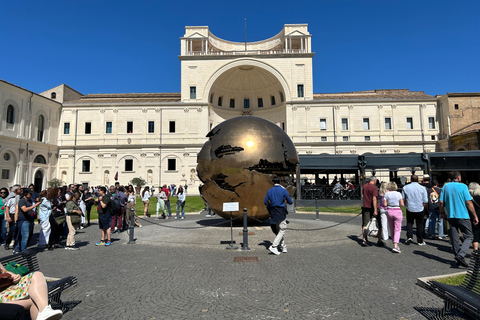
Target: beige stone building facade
(157,136)
(458,119)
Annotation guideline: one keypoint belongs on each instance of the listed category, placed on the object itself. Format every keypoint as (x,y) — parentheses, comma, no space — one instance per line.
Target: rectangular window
(281,96)
(433,137)
(211,98)
(5,174)
(172,165)
(129,165)
(260,102)
(367,138)
(300,90)
(151,126)
(324,139)
(345,138)
(129,126)
(86,166)
(220,101)
(66,128)
(366,124)
(409,123)
(171,127)
(431,122)
(109,127)
(246,103)
(344,124)
(193,92)
(323,124)
(232,103)
(283,126)
(88,127)
(456,106)
(388,123)
(272,98)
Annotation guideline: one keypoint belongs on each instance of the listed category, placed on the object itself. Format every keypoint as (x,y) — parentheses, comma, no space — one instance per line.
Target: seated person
(30,292)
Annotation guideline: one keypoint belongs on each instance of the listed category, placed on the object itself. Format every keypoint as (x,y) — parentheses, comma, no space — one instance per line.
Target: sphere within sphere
(238,163)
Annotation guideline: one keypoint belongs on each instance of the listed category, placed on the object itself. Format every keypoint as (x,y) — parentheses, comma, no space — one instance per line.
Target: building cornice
(240,55)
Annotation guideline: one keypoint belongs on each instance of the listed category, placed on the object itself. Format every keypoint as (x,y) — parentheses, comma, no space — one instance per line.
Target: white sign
(230,206)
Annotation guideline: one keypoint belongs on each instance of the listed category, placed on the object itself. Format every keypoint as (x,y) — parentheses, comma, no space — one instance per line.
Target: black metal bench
(55,287)
(466,296)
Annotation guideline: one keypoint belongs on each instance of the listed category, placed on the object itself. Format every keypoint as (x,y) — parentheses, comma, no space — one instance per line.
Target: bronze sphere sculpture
(238,162)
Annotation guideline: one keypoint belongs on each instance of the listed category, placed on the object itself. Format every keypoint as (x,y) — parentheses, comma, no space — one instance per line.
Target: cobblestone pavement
(180,270)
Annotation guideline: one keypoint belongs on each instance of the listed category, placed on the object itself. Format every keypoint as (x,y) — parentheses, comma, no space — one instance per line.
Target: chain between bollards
(131,240)
(245,230)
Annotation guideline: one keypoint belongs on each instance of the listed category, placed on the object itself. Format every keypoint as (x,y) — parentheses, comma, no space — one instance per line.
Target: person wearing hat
(25,218)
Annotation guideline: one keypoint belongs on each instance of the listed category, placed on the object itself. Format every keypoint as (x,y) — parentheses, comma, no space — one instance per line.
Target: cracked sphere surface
(238,163)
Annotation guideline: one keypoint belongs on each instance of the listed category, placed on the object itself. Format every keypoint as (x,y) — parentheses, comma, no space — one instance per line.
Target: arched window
(41,125)
(10,114)
(40,159)
(53,95)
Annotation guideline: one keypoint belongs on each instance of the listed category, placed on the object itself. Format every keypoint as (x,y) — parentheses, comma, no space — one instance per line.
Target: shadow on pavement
(451,262)
(432,313)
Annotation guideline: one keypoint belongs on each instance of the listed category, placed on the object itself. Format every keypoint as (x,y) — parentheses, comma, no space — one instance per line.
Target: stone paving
(180,270)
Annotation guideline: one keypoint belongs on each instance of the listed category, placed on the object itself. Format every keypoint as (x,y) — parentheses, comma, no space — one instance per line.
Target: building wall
(21,142)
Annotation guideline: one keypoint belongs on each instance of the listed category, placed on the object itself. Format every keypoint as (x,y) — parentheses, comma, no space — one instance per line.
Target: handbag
(372,228)
(60,219)
(6,280)
(75,219)
(17,268)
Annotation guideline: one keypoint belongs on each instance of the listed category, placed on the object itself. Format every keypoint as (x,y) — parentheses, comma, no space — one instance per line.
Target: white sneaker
(396,250)
(422,243)
(409,240)
(49,314)
(284,249)
(274,250)
(183,218)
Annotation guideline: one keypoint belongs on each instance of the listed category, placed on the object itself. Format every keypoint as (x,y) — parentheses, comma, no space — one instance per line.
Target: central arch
(261,72)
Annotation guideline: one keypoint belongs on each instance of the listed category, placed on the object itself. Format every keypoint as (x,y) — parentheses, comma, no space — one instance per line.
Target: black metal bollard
(245,230)
(317,215)
(131,240)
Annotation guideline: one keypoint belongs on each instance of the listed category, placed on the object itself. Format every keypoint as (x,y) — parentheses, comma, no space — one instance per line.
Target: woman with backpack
(57,218)
(146,201)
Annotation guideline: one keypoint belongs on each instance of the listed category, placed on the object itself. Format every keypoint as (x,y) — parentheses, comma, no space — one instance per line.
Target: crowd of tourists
(62,210)
(450,212)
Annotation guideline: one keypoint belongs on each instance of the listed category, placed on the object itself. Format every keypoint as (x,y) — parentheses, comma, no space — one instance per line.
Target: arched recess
(165,162)
(64,176)
(106,177)
(242,63)
(39,159)
(8,167)
(121,162)
(150,177)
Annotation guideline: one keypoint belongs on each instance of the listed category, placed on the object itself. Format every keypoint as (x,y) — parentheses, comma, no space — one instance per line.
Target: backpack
(115,206)
(2,207)
(433,198)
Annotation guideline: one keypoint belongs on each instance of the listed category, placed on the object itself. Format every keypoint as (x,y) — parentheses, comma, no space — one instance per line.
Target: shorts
(104,221)
(367,214)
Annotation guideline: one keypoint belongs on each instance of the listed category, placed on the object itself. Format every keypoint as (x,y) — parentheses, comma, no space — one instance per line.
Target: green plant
(139,182)
(55,183)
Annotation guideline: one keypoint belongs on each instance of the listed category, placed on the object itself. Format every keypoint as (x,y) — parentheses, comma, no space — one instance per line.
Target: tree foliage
(139,182)
(55,183)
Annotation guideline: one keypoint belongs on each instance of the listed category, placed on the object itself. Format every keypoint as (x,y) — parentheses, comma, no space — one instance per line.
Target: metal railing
(326,192)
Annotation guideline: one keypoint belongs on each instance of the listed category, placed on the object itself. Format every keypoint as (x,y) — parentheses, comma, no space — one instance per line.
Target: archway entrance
(38,182)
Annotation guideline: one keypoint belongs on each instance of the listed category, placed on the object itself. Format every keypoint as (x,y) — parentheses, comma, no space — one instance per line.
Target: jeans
(167,204)
(279,229)
(10,234)
(419,219)
(434,215)
(465,226)
(182,205)
(3,232)
(23,227)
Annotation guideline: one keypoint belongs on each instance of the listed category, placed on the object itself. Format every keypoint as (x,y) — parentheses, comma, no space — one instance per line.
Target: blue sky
(133,46)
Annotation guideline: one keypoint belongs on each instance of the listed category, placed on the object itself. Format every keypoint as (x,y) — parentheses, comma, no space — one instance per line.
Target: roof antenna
(245,35)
